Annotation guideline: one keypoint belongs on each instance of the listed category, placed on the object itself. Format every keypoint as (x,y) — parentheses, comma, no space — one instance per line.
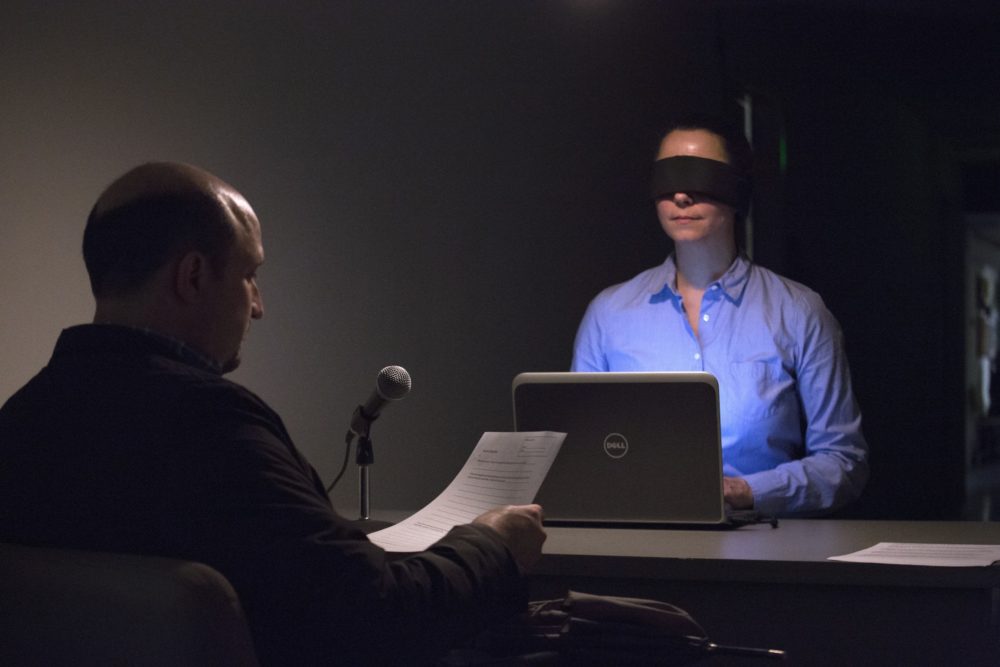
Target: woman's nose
(683,199)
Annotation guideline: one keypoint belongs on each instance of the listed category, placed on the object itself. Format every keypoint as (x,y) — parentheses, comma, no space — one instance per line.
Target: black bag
(584,629)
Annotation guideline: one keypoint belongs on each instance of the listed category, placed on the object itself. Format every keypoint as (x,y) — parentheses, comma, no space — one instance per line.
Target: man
(131,441)
(791,430)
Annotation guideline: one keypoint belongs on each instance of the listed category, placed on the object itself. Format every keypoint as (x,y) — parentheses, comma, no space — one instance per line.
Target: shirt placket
(697,356)
(708,319)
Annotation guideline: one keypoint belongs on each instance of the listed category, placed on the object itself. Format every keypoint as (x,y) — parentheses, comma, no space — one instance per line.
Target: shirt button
(697,355)
(705,317)
(715,287)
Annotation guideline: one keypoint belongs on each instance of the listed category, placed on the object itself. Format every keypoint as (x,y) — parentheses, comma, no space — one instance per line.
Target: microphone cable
(347,457)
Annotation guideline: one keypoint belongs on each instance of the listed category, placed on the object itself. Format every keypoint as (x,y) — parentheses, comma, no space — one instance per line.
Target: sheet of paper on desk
(503,469)
(936,555)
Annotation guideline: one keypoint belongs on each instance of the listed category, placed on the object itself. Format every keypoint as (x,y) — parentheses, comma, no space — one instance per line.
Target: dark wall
(445,185)
(867,208)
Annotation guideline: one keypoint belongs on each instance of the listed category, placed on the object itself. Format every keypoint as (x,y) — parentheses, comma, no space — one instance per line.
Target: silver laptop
(640,448)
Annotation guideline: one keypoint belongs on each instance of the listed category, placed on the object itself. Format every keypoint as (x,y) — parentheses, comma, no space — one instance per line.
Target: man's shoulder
(207,392)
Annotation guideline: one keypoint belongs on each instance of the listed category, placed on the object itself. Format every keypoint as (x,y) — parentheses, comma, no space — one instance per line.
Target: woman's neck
(699,264)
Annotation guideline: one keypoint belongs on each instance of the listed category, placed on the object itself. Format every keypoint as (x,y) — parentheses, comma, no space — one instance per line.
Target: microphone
(392,384)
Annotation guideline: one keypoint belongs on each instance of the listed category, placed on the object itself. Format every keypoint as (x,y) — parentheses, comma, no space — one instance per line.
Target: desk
(760,586)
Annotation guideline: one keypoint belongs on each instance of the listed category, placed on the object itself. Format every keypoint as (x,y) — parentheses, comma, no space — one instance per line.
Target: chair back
(61,607)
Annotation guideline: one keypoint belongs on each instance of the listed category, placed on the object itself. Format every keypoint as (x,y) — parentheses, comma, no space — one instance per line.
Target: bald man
(130,440)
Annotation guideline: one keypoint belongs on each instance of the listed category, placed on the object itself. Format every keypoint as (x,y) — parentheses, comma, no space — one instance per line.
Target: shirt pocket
(761,390)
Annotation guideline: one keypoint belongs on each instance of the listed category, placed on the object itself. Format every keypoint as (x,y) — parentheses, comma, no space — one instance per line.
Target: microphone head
(393,383)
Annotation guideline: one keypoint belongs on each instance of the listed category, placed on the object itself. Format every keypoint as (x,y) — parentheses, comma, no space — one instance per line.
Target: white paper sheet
(503,469)
(937,555)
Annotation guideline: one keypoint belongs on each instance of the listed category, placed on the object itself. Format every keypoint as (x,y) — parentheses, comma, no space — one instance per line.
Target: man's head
(701,179)
(172,248)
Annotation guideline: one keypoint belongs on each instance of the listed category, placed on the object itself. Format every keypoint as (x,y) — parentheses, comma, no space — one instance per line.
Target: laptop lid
(641,448)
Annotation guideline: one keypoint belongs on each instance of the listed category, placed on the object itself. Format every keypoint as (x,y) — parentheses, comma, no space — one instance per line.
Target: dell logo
(615,445)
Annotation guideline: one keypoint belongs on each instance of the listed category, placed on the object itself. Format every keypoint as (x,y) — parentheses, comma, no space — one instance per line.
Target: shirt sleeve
(315,589)
(588,352)
(834,468)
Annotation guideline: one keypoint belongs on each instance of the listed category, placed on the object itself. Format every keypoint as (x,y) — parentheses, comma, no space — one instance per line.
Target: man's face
(234,298)
(693,216)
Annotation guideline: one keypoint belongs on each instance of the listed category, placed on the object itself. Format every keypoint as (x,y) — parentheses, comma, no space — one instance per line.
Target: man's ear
(190,276)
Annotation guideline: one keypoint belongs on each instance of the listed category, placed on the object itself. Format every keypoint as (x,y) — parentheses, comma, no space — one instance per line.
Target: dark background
(445,185)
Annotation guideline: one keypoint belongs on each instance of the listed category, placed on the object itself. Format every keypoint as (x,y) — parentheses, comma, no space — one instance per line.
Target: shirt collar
(93,337)
(731,283)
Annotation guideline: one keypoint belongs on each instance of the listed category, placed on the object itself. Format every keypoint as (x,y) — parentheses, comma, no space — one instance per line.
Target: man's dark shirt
(126,442)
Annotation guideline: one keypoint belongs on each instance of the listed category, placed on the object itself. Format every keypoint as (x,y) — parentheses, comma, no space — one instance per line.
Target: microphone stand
(393,383)
(365,457)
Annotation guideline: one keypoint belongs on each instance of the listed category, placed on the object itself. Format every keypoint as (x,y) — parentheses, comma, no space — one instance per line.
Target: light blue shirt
(790,425)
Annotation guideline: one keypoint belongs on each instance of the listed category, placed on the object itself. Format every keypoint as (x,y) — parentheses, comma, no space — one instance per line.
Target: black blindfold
(687,173)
